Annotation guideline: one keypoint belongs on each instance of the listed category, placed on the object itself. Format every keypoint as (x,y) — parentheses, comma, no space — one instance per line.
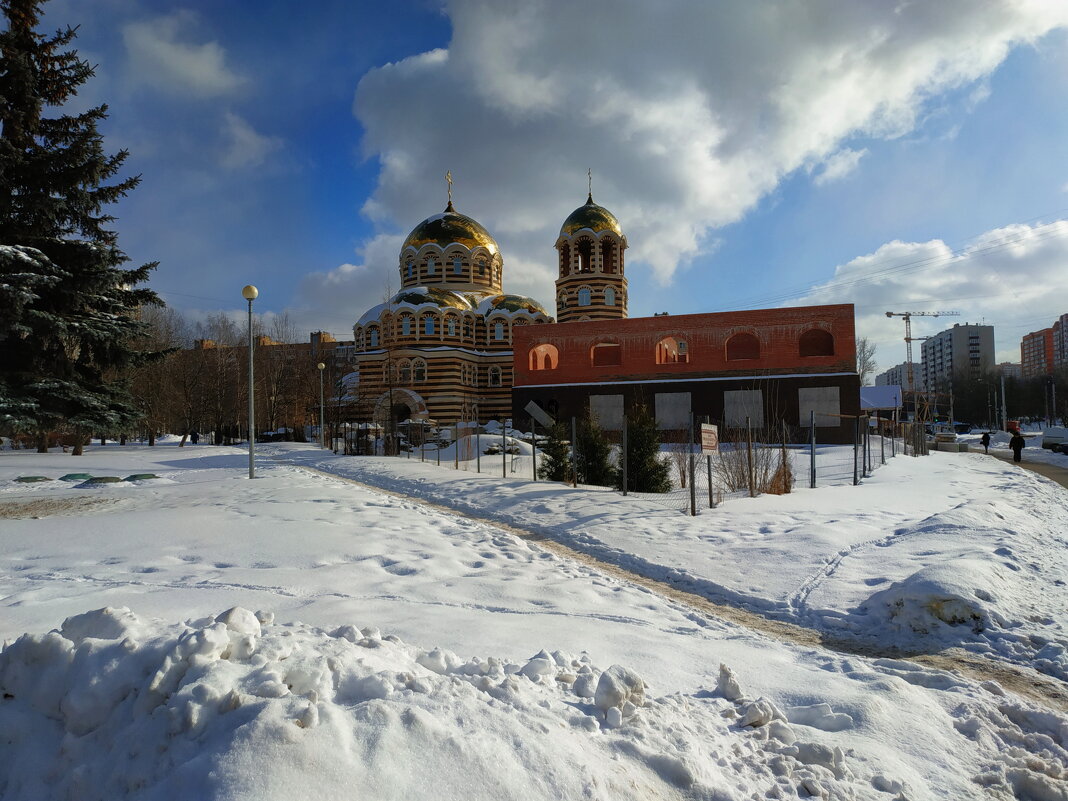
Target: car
(1055,438)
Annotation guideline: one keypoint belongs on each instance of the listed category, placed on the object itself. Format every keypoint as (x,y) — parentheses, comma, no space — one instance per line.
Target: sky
(901,156)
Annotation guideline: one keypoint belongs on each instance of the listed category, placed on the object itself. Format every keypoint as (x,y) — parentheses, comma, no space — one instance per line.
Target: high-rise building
(1009,370)
(1036,353)
(963,351)
(898,376)
(1060,341)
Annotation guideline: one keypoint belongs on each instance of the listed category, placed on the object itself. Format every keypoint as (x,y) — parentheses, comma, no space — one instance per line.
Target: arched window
(608,264)
(452,326)
(482,268)
(494,376)
(457,265)
(498,331)
(606,354)
(561,302)
(419,371)
(406,326)
(585,254)
(373,335)
(743,346)
(543,357)
(670,350)
(609,296)
(430,266)
(406,372)
(428,325)
(584,296)
(565,259)
(410,269)
(468,329)
(816,342)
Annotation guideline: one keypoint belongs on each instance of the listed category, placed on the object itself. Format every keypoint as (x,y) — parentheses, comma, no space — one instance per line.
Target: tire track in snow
(1021,680)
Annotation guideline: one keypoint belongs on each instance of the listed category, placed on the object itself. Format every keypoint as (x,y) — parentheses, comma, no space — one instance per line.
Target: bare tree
(866,364)
(150,383)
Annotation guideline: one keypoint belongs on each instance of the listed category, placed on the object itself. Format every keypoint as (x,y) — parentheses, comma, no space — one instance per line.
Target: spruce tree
(593,454)
(70,311)
(646,471)
(556,455)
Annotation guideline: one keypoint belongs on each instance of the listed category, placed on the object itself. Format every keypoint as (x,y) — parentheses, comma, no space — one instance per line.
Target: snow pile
(237,707)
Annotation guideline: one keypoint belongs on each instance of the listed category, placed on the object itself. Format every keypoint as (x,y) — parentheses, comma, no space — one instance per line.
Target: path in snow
(1023,681)
(1051,471)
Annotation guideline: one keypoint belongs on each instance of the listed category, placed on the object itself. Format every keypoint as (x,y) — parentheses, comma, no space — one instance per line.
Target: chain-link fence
(745,461)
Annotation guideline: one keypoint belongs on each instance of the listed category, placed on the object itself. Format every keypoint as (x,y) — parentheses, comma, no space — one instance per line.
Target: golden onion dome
(511,304)
(596,218)
(450,227)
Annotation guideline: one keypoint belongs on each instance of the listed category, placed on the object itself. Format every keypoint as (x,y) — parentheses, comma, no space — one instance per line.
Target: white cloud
(1012,278)
(689,113)
(245,147)
(839,165)
(160,58)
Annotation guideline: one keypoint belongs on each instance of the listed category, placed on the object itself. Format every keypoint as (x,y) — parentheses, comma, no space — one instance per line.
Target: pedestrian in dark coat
(1017,444)
(985,440)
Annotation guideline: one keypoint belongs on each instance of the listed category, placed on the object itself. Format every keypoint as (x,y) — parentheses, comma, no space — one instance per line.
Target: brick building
(770,365)
(1036,353)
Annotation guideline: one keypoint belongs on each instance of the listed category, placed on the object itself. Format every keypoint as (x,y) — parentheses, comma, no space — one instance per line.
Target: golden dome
(450,227)
(596,218)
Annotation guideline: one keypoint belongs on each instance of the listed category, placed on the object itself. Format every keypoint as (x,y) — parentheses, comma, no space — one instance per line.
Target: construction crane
(921,412)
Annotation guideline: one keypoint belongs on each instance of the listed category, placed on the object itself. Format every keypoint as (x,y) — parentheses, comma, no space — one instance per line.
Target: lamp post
(250,293)
(322,430)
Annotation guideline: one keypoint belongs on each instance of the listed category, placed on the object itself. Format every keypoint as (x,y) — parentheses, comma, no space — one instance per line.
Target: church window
(410,269)
(374,337)
(607,252)
(498,331)
(585,254)
(419,371)
(494,376)
(430,266)
(406,326)
(561,301)
(457,265)
(565,259)
(428,325)
(406,372)
(584,296)
(544,357)
(452,326)
(743,346)
(816,342)
(482,268)
(609,296)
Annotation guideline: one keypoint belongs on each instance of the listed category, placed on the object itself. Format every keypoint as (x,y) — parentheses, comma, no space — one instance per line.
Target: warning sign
(709,438)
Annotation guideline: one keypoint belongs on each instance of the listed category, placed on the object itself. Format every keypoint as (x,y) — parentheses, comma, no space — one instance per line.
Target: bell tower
(591,284)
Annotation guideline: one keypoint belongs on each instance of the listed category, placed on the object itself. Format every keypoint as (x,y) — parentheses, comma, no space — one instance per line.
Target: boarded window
(672,411)
(606,354)
(824,401)
(743,346)
(738,404)
(607,410)
(816,342)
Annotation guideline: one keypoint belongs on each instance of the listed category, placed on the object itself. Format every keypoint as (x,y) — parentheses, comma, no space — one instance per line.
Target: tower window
(609,296)
(428,325)
(410,269)
(430,266)
(498,331)
(374,337)
(452,326)
(584,296)
(406,326)
(482,268)
(457,265)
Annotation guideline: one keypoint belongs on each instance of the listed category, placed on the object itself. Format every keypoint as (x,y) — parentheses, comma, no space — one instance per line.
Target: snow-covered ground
(254,639)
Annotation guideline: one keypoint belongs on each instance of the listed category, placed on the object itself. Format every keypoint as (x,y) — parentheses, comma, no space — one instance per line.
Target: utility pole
(922,411)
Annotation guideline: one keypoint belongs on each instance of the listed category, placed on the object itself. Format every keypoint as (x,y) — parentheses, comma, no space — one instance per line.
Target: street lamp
(322,431)
(250,293)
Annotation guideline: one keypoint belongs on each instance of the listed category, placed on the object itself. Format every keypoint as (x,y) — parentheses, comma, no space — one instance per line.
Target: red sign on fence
(709,438)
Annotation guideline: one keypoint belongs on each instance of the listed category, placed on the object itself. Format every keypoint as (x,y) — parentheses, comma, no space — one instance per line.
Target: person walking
(1017,444)
(985,441)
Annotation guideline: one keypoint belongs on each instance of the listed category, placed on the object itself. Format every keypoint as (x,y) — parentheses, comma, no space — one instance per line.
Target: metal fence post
(856,451)
(478,448)
(812,450)
(623,454)
(504,450)
(882,443)
(574,462)
(693,472)
(533,449)
(711,497)
(749,455)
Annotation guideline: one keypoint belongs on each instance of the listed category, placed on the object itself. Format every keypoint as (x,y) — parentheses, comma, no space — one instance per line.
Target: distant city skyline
(900,158)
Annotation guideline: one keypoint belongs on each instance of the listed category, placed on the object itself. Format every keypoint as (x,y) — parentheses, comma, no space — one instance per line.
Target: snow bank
(237,707)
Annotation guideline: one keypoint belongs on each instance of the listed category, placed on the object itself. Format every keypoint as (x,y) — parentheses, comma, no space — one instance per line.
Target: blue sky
(755,154)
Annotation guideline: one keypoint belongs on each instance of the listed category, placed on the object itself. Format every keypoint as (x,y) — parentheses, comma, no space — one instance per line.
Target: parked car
(1055,438)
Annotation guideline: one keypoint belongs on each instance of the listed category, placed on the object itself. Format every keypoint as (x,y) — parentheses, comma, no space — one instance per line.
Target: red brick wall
(706,335)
